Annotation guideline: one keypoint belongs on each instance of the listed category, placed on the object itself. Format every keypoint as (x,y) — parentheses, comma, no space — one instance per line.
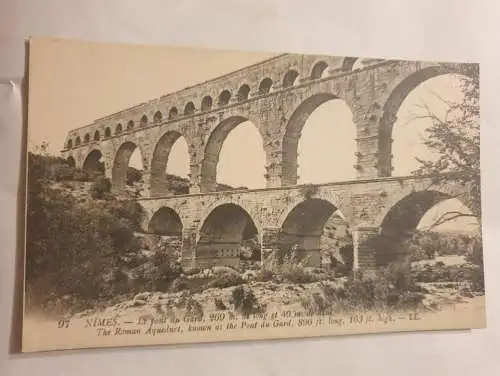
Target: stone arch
(158,181)
(243,92)
(302,228)
(221,234)
(224,98)
(348,64)
(312,192)
(290,78)
(144,121)
(212,150)
(401,219)
(97,135)
(166,221)
(78,141)
(157,117)
(395,97)
(93,164)
(118,129)
(318,70)
(86,138)
(107,132)
(172,114)
(292,135)
(206,103)
(265,86)
(130,125)
(189,108)
(69,144)
(121,163)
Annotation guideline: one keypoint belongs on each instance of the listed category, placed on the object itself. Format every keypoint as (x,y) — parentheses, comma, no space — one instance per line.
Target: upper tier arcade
(277,95)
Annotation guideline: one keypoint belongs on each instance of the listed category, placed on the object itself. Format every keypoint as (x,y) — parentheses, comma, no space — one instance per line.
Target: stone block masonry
(277,96)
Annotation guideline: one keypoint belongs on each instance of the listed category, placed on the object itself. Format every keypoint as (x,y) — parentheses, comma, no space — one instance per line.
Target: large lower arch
(212,151)
(302,230)
(93,163)
(395,99)
(404,217)
(222,234)
(158,179)
(120,166)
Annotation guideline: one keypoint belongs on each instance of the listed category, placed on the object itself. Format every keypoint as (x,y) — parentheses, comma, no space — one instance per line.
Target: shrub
(133,176)
(477,280)
(468,273)
(100,188)
(284,266)
(392,286)
(264,275)
(81,175)
(476,255)
(193,308)
(179,284)
(224,280)
(64,172)
(129,211)
(318,303)
(245,301)
(76,259)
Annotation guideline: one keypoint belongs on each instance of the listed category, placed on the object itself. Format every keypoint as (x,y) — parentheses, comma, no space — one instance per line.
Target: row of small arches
(225,96)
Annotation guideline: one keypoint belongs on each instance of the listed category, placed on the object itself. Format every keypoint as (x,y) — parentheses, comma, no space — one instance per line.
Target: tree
(456,138)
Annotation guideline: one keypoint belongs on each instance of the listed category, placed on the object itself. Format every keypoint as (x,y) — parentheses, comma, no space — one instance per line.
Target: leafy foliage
(424,245)
(245,302)
(100,188)
(133,176)
(456,138)
(74,248)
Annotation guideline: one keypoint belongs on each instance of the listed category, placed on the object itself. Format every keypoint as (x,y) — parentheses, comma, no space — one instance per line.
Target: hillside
(176,185)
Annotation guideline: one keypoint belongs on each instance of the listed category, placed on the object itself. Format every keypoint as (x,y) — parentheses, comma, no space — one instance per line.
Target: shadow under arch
(395,99)
(166,221)
(293,132)
(158,180)
(221,235)
(348,64)
(120,165)
(93,162)
(402,219)
(213,147)
(302,229)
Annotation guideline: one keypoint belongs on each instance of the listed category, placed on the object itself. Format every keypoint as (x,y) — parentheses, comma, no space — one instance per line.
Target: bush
(264,275)
(81,175)
(224,280)
(133,176)
(100,188)
(392,286)
(179,284)
(284,267)
(76,259)
(465,273)
(129,211)
(193,308)
(64,172)
(245,301)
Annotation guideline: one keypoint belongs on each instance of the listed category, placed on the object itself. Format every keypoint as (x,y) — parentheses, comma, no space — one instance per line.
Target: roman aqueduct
(277,95)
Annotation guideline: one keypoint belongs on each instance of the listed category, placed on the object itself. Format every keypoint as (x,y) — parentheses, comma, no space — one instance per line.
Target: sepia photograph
(188,195)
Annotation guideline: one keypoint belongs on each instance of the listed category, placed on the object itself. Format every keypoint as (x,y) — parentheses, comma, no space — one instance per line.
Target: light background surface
(426,30)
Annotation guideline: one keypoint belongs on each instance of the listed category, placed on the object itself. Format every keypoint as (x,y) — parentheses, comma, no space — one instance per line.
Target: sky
(74,83)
